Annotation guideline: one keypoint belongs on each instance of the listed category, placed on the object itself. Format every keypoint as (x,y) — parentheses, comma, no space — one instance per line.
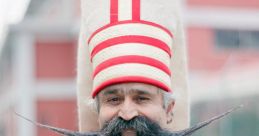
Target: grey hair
(168,97)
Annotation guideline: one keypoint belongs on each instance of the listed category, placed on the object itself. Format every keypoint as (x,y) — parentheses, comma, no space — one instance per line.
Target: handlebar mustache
(185,132)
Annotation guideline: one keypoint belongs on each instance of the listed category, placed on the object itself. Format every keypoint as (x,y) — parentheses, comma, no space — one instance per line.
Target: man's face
(130,100)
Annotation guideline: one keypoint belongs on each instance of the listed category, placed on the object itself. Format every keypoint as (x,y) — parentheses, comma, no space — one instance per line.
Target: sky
(11,12)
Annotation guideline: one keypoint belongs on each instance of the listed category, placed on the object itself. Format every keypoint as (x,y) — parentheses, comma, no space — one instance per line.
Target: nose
(128,110)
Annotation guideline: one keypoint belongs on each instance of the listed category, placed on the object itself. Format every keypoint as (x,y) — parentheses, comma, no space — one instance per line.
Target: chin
(129,133)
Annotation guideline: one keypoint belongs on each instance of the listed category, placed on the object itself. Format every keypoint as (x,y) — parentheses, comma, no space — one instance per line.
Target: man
(131,61)
(128,101)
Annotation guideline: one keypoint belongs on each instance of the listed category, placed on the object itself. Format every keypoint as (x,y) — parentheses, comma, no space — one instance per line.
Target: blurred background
(38,41)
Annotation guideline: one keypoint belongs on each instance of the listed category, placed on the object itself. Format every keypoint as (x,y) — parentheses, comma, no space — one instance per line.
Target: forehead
(130,88)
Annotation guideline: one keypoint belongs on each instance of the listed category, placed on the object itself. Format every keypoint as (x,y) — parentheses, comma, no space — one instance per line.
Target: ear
(169,112)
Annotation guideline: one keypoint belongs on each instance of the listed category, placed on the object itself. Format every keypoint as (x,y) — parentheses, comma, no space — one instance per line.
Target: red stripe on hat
(114,11)
(128,79)
(131,59)
(131,39)
(130,22)
(136,10)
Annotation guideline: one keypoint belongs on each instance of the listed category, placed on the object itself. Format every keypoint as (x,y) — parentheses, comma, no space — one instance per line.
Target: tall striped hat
(130,49)
(131,41)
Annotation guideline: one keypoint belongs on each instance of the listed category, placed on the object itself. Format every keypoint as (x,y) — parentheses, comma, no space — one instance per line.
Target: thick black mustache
(141,125)
(185,132)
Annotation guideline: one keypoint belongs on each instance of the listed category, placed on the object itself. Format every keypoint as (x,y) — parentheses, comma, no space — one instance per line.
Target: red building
(38,61)
(223,47)
(38,69)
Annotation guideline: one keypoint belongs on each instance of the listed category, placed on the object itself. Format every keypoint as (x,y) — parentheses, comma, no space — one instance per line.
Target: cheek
(155,113)
(106,114)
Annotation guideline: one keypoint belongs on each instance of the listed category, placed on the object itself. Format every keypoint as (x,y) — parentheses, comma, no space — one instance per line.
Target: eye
(114,100)
(142,99)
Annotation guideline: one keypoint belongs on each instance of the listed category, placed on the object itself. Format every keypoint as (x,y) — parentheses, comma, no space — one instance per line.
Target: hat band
(131,39)
(130,79)
(132,59)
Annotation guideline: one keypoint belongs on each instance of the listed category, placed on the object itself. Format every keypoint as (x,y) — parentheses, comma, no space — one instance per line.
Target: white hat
(128,41)
(130,51)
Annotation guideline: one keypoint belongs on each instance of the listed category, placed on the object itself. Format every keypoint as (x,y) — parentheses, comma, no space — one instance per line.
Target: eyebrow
(140,91)
(117,91)
(143,92)
(111,91)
